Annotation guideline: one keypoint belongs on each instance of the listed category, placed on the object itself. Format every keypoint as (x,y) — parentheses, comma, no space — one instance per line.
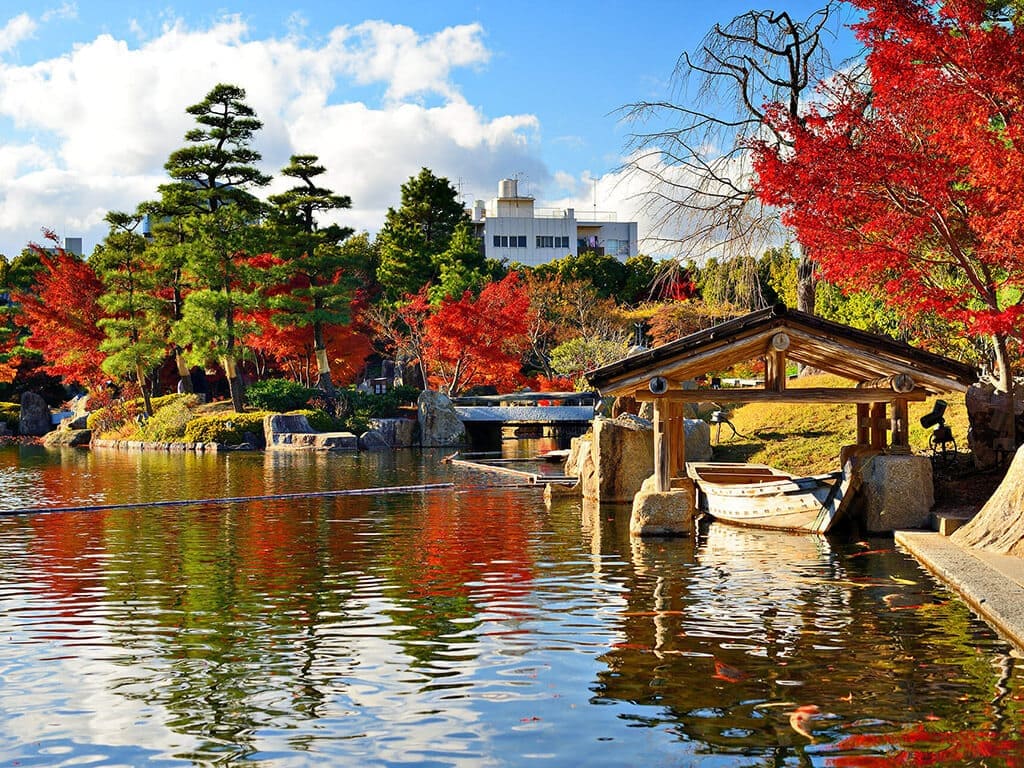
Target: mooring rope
(233,499)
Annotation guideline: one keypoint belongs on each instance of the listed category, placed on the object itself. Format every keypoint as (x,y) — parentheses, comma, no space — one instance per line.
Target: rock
(669,513)
(558,490)
(991,414)
(397,433)
(373,440)
(615,470)
(292,432)
(622,456)
(35,415)
(999,525)
(698,440)
(439,424)
(898,492)
(69,437)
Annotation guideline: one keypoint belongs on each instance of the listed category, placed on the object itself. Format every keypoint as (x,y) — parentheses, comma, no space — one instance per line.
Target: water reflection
(470,627)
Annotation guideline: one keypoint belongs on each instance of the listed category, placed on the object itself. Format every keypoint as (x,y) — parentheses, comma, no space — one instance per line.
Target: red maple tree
(472,341)
(61,313)
(912,187)
(291,347)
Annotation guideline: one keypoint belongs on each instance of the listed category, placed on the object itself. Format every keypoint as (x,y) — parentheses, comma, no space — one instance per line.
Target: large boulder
(393,433)
(898,492)
(439,424)
(665,513)
(622,456)
(617,455)
(292,431)
(35,415)
(999,525)
(66,436)
(991,414)
(698,440)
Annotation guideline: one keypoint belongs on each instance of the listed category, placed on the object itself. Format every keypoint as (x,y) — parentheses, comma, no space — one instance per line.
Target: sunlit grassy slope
(806,439)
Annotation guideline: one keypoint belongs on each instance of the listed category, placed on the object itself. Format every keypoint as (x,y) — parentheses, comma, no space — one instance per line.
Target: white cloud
(21,27)
(96,123)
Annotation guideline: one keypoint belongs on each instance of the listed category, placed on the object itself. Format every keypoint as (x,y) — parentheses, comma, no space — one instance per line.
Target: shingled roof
(813,341)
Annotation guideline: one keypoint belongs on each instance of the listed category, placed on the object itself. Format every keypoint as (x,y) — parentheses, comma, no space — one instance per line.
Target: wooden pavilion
(886,375)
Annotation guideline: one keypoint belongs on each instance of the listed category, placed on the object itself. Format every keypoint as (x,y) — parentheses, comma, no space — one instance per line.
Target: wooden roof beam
(807,395)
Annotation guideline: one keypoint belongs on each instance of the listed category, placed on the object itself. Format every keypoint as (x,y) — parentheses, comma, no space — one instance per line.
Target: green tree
(416,233)
(316,267)
(134,329)
(605,273)
(641,277)
(218,165)
(777,270)
(461,266)
(212,178)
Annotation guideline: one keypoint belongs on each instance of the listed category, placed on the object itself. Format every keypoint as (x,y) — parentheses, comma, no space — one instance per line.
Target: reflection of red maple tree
(61,541)
(920,747)
(453,549)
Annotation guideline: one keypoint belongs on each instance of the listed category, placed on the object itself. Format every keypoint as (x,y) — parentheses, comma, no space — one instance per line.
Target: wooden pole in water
(234,499)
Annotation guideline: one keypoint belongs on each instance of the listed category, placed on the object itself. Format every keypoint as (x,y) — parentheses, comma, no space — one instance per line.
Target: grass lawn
(805,439)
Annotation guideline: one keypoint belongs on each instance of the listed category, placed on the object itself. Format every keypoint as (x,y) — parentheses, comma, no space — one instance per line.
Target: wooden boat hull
(759,496)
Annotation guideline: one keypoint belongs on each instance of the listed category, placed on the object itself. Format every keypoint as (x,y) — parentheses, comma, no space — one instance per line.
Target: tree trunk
(999,526)
(183,372)
(140,377)
(234,383)
(806,283)
(1005,381)
(323,377)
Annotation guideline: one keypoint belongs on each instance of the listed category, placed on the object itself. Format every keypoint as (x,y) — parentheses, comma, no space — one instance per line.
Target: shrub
(278,395)
(227,428)
(10,414)
(171,415)
(320,420)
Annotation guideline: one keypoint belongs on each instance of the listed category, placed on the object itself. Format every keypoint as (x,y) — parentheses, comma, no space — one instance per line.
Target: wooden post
(863,425)
(662,472)
(878,424)
(677,440)
(900,438)
(775,363)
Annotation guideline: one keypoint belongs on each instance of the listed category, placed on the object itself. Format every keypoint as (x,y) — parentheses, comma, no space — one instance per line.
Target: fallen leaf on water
(908,582)
(847,698)
(727,673)
(799,718)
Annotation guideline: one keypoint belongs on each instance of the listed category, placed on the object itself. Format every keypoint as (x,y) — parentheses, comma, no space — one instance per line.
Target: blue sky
(93,96)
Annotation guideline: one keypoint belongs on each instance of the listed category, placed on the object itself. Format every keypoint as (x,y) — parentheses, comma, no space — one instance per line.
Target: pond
(469,626)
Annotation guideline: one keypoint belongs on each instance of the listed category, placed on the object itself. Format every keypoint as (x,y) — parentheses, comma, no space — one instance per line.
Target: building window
(501,241)
(562,242)
(545,241)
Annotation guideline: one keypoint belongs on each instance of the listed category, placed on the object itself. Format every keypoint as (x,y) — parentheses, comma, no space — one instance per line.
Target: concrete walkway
(993,585)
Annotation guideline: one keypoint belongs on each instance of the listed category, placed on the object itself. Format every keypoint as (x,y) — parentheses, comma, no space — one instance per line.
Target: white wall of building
(514,230)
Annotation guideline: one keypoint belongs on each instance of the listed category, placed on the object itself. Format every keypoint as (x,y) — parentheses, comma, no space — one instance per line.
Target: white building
(512,229)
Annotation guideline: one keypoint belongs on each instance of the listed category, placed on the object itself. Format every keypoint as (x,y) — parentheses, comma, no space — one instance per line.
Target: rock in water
(439,424)
(35,415)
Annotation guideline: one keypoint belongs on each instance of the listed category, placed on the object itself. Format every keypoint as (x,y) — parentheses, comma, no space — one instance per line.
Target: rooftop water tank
(508,188)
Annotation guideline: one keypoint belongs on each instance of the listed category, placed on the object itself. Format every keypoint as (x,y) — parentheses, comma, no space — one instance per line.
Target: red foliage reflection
(920,747)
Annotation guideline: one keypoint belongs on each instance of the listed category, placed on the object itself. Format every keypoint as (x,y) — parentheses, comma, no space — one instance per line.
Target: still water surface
(466,627)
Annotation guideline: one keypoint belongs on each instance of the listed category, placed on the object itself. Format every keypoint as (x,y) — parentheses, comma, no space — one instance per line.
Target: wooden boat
(763,497)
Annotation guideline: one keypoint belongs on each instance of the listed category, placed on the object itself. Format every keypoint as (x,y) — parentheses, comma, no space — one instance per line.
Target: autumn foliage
(61,313)
(481,340)
(912,187)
